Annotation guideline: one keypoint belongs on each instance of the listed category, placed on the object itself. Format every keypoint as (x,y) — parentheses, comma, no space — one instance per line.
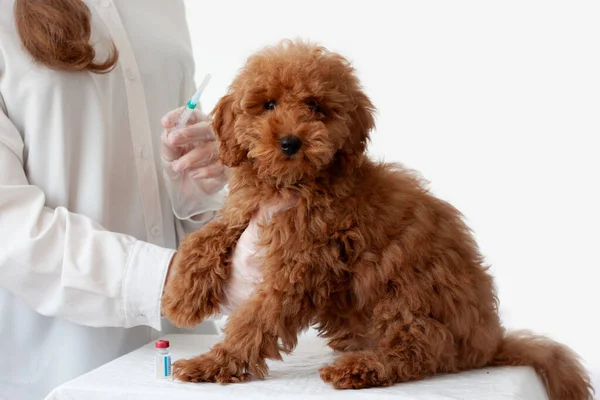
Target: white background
(497,104)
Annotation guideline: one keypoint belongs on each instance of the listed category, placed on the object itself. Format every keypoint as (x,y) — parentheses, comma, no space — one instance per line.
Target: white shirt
(86,226)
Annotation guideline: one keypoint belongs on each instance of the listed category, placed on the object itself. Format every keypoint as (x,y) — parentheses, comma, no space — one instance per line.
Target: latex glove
(193,174)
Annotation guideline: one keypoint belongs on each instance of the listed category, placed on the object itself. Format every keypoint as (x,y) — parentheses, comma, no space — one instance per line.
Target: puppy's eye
(314,106)
(270,105)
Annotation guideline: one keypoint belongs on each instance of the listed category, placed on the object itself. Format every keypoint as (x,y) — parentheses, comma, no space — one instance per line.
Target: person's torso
(92,144)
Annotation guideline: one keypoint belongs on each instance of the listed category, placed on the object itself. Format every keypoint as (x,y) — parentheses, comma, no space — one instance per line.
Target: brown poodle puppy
(388,273)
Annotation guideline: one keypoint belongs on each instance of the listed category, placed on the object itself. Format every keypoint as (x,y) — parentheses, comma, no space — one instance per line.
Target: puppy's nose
(290,144)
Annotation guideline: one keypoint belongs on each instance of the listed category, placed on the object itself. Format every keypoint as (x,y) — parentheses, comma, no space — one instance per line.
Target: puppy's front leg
(194,289)
(252,334)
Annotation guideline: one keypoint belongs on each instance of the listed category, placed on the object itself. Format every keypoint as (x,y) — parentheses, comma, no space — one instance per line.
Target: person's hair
(57,32)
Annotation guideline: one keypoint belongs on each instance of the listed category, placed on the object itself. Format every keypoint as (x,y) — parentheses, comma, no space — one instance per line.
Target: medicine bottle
(162,359)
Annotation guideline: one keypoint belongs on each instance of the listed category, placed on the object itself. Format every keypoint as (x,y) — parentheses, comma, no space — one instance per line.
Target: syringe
(191,104)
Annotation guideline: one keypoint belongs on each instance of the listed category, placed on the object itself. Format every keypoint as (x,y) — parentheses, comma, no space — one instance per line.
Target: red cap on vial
(162,344)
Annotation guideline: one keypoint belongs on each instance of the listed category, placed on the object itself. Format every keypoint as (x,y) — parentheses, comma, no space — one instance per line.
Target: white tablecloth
(132,377)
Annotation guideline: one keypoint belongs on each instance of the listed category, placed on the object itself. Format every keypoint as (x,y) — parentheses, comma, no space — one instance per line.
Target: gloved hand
(193,174)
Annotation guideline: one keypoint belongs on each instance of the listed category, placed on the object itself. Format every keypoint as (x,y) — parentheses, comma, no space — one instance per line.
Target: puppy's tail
(558,366)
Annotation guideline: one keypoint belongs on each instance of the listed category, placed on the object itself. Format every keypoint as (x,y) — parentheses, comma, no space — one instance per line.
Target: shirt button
(130,74)
(155,231)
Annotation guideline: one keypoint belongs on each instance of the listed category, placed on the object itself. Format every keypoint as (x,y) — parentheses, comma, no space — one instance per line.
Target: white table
(132,377)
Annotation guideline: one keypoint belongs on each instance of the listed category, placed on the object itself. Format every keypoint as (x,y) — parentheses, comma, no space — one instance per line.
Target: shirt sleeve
(64,264)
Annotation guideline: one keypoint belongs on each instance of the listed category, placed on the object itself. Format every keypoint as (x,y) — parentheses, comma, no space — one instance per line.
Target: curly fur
(387,272)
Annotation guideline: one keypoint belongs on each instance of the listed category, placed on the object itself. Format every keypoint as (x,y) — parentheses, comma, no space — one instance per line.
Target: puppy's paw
(182,312)
(351,371)
(188,298)
(210,367)
(342,377)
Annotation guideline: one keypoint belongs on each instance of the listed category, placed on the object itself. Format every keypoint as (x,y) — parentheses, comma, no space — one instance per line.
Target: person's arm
(66,265)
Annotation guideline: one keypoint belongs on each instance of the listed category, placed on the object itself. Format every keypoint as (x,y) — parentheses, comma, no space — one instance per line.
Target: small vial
(162,359)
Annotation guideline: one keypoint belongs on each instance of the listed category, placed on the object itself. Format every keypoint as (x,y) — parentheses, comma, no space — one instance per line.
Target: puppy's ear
(230,152)
(362,120)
